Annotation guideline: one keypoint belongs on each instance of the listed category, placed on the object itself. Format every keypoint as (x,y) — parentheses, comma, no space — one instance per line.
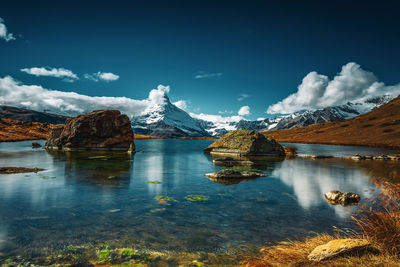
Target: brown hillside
(11,130)
(378,128)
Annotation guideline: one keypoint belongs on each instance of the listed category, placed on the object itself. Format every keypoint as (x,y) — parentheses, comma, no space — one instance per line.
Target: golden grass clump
(380,226)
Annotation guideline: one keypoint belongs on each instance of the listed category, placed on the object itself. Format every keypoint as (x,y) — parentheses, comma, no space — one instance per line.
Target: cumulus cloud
(181,104)
(352,83)
(203,74)
(14,93)
(4,34)
(243,111)
(242,97)
(102,76)
(68,75)
(216,118)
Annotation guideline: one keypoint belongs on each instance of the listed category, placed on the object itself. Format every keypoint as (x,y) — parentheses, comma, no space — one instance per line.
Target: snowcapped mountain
(167,120)
(299,119)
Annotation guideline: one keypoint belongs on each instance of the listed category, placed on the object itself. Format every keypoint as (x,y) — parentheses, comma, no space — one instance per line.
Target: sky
(253,59)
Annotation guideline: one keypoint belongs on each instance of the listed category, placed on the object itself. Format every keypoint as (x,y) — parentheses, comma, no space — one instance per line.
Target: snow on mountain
(299,119)
(166,120)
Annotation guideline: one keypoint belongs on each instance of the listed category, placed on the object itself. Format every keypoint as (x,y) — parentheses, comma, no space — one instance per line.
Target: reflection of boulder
(344,199)
(228,161)
(104,130)
(245,143)
(97,166)
(229,176)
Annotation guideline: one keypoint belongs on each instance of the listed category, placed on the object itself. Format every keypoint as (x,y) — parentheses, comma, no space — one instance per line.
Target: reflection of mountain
(311,179)
(96,167)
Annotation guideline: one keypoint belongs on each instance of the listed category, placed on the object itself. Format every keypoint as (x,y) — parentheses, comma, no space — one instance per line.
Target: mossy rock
(245,143)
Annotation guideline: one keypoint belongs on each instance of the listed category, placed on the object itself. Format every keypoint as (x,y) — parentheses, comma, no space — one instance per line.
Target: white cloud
(216,118)
(68,75)
(181,104)
(36,97)
(242,97)
(4,34)
(203,74)
(317,91)
(243,111)
(102,76)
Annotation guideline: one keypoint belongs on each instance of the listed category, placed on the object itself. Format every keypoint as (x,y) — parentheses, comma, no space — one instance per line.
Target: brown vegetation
(378,128)
(18,131)
(380,226)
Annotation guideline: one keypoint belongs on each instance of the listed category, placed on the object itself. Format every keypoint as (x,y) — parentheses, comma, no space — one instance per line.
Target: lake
(85,198)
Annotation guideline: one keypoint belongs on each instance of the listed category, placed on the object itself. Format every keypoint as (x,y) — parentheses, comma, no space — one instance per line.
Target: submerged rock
(106,130)
(234,174)
(344,199)
(339,247)
(11,170)
(245,143)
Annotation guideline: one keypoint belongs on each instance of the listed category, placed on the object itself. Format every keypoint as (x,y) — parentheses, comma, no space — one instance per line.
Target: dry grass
(380,226)
(11,130)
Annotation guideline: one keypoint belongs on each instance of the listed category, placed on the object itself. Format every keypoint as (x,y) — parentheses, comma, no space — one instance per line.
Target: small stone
(344,199)
(337,248)
(36,145)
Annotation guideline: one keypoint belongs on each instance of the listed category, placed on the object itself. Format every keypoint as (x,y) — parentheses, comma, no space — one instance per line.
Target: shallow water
(85,198)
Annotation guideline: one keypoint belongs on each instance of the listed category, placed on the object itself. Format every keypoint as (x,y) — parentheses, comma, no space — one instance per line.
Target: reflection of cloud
(154,172)
(310,180)
(3,234)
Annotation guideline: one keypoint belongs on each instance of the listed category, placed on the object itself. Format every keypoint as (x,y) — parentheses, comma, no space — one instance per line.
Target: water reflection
(95,167)
(94,198)
(310,180)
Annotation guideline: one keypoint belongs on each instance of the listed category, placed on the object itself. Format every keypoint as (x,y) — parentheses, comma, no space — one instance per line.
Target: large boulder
(245,143)
(339,247)
(104,130)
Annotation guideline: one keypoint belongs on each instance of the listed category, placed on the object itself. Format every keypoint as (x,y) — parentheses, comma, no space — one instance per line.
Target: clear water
(84,198)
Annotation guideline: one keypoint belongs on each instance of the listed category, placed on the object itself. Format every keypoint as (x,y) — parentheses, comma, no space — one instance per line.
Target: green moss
(98,157)
(158,210)
(104,254)
(164,200)
(248,169)
(197,198)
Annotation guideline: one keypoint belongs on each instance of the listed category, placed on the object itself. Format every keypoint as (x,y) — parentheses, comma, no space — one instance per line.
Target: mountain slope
(300,119)
(379,128)
(167,120)
(21,114)
(11,130)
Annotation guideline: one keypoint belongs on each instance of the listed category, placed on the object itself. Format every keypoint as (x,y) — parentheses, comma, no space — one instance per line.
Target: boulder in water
(103,130)
(245,143)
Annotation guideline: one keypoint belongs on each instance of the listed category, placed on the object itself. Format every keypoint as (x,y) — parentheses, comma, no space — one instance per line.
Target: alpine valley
(165,119)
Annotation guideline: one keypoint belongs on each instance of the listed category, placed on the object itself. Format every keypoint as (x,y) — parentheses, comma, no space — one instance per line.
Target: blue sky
(255,51)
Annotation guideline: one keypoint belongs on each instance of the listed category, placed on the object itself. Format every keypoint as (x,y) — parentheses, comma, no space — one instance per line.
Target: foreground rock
(344,199)
(105,130)
(11,170)
(339,247)
(245,143)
